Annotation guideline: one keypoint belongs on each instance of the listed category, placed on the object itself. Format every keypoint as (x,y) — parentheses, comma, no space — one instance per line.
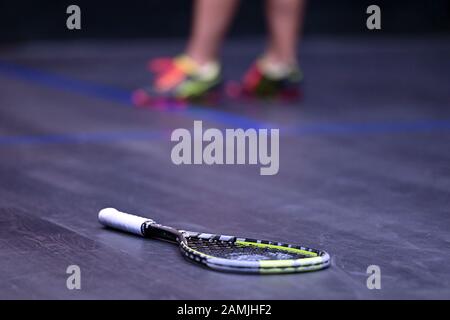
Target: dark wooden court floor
(364,173)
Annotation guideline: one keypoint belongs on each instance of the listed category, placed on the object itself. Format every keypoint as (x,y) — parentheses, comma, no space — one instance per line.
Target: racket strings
(235,251)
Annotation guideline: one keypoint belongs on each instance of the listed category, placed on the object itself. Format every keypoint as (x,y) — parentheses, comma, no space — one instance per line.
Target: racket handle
(113,218)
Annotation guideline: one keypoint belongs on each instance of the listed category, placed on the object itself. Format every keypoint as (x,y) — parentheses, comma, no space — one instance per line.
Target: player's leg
(285,19)
(276,72)
(197,72)
(209,26)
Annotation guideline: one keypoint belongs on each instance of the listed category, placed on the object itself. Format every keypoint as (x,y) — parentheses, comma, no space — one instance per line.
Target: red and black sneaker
(265,82)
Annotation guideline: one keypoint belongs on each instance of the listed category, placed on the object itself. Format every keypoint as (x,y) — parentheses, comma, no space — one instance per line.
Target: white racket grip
(113,218)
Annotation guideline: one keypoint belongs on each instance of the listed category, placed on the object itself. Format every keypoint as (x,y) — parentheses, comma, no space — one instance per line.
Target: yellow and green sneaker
(179,80)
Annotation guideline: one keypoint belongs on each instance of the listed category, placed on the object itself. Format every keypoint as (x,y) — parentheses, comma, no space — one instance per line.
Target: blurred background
(24,20)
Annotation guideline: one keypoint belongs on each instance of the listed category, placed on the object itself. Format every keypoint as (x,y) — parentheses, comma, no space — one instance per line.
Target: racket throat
(161,232)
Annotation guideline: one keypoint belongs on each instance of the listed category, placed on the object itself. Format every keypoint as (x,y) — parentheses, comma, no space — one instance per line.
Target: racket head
(245,255)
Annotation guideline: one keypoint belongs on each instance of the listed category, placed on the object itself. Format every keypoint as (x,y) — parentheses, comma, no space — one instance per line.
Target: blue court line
(74,138)
(385,127)
(117,95)
(64,83)
(236,121)
(303,130)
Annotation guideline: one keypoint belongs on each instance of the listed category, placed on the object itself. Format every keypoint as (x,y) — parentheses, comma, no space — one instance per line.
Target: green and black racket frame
(220,252)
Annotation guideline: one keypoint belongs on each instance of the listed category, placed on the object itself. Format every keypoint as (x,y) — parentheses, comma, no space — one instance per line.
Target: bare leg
(285,18)
(210,23)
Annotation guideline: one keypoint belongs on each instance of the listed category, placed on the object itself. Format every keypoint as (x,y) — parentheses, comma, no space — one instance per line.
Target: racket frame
(316,260)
